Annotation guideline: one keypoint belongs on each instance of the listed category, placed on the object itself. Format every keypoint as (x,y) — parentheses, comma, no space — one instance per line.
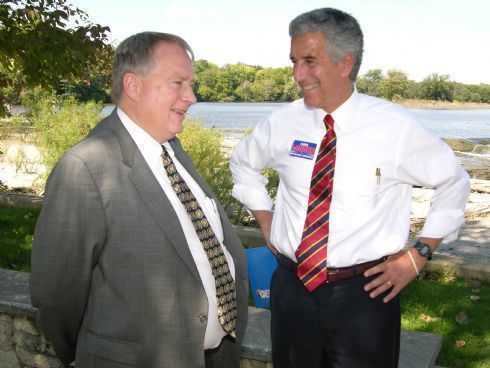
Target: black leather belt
(334,274)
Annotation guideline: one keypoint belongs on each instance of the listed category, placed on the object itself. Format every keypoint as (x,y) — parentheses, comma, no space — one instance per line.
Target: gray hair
(135,55)
(342,31)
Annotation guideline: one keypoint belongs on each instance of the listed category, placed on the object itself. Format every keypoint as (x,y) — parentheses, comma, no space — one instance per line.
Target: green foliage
(436,87)
(16,233)
(47,40)
(86,90)
(369,83)
(240,82)
(95,82)
(395,85)
(205,147)
(62,124)
(205,75)
(11,83)
(35,98)
(28,26)
(471,93)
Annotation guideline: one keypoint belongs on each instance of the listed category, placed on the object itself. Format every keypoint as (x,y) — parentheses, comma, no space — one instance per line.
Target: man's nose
(298,72)
(189,96)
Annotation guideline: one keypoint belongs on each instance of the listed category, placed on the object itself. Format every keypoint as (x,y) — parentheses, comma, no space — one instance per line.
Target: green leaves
(245,83)
(61,124)
(48,40)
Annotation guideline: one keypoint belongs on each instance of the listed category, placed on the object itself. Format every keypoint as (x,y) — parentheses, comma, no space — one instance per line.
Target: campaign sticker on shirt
(303,149)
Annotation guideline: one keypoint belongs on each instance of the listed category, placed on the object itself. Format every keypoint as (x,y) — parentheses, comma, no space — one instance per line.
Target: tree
(395,85)
(437,87)
(369,83)
(274,84)
(95,82)
(205,74)
(47,40)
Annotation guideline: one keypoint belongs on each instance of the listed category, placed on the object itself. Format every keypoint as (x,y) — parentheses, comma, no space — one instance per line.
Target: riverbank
(442,105)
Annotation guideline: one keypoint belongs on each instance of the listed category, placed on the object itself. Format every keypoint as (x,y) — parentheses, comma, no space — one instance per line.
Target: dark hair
(341,30)
(135,55)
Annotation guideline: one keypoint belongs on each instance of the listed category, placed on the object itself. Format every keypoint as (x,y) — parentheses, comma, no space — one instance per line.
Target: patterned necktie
(312,251)
(225,286)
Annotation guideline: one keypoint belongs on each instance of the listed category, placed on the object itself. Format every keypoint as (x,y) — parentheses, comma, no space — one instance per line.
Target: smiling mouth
(181,112)
(309,87)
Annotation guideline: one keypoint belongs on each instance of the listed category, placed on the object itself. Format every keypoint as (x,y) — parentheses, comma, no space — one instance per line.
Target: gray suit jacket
(112,274)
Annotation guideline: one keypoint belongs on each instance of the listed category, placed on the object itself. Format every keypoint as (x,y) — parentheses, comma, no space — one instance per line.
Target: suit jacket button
(203,318)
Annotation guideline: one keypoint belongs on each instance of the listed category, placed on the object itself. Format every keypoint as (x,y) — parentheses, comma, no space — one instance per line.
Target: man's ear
(347,64)
(132,86)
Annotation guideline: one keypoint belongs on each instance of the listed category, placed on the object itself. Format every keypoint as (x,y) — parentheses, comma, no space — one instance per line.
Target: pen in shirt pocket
(378,175)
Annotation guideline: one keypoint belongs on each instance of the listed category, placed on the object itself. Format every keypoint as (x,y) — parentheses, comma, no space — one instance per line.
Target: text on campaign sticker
(303,149)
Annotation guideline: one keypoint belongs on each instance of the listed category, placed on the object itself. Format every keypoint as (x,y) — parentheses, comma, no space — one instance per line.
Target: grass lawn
(454,308)
(16,230)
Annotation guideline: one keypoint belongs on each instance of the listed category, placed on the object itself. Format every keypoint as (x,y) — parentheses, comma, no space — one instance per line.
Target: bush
(205,147)
(60,125)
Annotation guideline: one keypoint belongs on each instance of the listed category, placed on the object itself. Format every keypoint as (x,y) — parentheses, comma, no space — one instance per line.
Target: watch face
(424,250)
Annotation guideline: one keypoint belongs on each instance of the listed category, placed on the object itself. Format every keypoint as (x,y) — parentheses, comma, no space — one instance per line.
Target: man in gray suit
(134,261)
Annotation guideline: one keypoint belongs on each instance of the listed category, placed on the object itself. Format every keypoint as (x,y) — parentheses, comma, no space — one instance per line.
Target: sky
(418,37)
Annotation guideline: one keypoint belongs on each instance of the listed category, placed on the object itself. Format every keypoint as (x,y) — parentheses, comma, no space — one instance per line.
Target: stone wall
(21,344)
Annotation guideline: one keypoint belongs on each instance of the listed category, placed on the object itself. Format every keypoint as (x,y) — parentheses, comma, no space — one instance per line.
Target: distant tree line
(240,82)
(246,83)
(395,85)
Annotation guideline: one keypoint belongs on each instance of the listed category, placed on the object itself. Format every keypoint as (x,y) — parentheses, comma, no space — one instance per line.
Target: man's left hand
(395,273)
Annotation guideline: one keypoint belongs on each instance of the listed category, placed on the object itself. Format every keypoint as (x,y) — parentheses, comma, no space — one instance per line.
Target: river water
(234,116)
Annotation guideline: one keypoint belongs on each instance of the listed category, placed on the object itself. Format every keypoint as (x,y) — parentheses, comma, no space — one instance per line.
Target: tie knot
(328,120)
(164,152)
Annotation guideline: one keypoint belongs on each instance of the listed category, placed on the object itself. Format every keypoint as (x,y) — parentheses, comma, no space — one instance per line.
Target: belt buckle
(332,274)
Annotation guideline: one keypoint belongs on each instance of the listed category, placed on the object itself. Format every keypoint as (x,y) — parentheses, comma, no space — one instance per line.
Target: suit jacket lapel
(152,194)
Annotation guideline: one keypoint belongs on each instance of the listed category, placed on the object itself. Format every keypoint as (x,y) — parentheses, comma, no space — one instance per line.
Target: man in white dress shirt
(122,268)
(376,152)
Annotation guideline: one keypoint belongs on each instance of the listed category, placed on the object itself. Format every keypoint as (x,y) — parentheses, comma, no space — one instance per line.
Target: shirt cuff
(436,225)
(252,199)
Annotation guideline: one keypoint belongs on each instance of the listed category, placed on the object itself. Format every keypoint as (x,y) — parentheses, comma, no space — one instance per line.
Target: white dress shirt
(369,214)
(152,152)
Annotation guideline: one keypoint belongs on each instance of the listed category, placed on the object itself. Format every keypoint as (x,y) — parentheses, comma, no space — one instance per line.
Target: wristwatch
(423,249)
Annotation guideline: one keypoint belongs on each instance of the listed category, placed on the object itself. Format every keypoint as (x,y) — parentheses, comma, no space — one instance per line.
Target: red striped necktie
(312,251)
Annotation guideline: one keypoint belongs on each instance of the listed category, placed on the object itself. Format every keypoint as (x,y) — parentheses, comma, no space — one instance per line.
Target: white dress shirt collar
(343,114)
(148,146)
